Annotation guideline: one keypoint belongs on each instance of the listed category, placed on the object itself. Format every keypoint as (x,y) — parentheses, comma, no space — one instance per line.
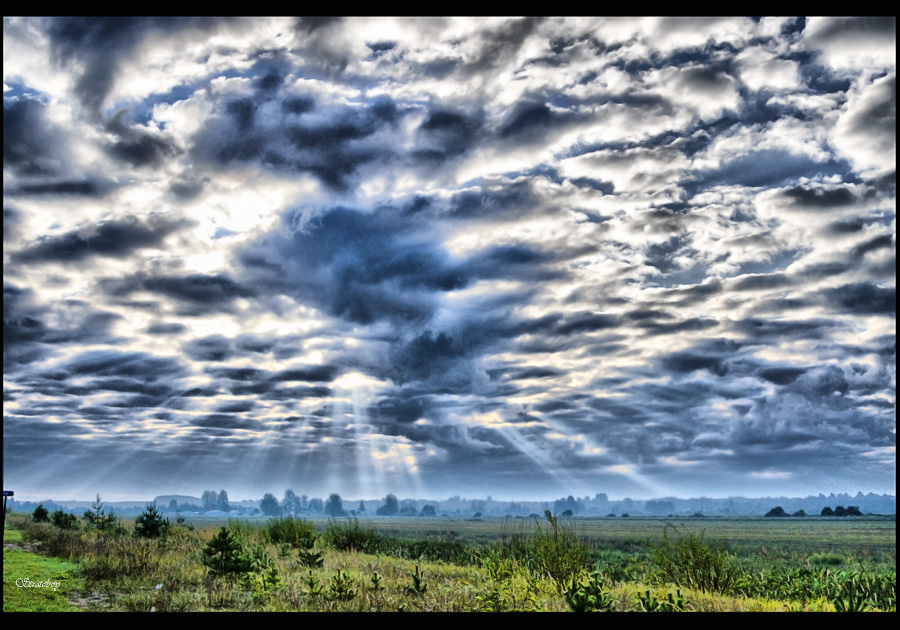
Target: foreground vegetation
(291,564)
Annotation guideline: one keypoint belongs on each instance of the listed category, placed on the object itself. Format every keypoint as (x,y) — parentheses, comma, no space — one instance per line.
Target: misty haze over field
(520,257)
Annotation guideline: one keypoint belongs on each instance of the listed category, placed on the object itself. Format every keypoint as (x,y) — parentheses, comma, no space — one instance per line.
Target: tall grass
(521,570)
(295,532)
(349,535)
(554,550)
(687,560)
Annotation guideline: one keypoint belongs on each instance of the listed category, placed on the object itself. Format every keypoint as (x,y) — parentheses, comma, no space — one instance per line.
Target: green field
(419,564)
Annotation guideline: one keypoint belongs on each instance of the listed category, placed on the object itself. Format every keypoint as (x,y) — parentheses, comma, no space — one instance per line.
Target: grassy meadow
(453,565)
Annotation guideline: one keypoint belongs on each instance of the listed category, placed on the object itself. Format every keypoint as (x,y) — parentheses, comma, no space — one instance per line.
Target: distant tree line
(850,510)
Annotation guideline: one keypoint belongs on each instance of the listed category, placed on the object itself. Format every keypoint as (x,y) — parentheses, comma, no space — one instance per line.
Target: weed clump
(689,561)
(295,532)
(351,536)
(587,593)
(555,551)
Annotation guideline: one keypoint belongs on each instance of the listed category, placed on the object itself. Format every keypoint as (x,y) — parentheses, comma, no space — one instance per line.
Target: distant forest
(390,505)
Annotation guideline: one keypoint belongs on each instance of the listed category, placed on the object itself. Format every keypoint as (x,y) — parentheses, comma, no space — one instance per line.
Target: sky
(525,258)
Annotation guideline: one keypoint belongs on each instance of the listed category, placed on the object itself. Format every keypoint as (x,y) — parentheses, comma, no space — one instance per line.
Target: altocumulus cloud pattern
(518,256)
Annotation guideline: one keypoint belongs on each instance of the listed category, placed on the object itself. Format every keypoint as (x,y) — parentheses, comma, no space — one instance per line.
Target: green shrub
(224,555)
(829,559)
(419,586)
(151,524)
(649,603)
(40,514)
(555,551)
(64,520)
(98,519)
(243,530)
(308,557)
(586,593)
(351,536)
(690,562)
(292,531)
(341,588)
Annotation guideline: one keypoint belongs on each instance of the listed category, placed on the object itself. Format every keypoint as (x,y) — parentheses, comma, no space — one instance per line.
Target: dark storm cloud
(323,54)
(529,122)
(166,328)
(762,330)
(820,198)
(582,323)
(879,242)
(333,147)
(662,255)
(687,362)
(123,364)
(771,168)
(74,188)
(847,226)
(185,190)
(212,348)
(863,298)
(198,293)
(497,46)
(359,266)
(446,133)
(522,373)
(782,376)
(237,374)
(695,294)
(26,334)
(310,374)
(506,201)
(138,148)
(761,281)
(112,239)
(99,44)
(857,29)
(236,407)
(31,145)
(23,328)
(224,421)
(252,343)
(11,218)
(429,355)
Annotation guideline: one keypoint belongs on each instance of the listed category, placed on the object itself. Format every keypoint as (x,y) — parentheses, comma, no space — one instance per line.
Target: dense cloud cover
(524,257)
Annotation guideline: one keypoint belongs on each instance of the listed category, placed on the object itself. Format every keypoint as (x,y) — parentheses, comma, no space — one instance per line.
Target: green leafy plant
(649,603)
(558,552)
(263,582)
(689,561)
(587,593)
(375,582)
